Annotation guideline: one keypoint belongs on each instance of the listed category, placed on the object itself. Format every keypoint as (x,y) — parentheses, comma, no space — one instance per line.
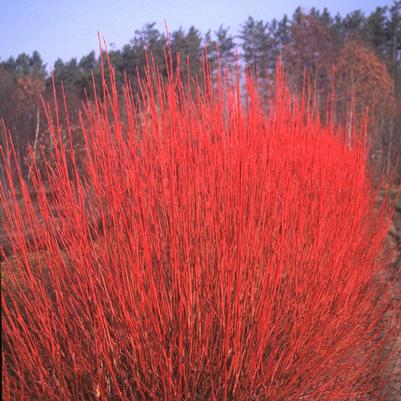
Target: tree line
(360,53)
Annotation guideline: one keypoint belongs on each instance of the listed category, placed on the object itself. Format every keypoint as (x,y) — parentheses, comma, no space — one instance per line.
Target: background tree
(311,51)
(220,48)
(365,50)
(257,47)
(22,82)
(364,82)
(187,47)
(148,41)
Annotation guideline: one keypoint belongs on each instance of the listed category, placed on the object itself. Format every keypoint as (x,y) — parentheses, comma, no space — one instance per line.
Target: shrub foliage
(209,245)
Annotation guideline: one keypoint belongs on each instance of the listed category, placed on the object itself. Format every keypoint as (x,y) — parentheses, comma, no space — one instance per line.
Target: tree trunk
(35,143)
(390,146)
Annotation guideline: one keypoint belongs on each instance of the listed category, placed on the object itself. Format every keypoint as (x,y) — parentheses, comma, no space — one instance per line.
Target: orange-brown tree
(364,83)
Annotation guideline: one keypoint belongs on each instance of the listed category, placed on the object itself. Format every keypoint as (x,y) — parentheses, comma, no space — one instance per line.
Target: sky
(68,28)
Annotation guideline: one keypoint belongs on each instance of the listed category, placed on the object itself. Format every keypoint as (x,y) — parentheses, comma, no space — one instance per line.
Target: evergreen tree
(283,33)
(220,50)
(311,49)
(354,25)
(393,25)
(326,19)
(313,41)
(22,82)
(187,47)
(147,42)
(257,46)
(376,29)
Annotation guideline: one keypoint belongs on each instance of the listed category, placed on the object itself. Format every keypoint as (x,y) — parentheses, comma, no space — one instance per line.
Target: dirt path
(393,390)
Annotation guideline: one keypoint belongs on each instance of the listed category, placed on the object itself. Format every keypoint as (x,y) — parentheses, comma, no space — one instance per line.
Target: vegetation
(182,223)
(203,249)
(365,51)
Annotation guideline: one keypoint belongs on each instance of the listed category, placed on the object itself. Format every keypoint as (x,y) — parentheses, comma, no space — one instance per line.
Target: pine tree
(394,45)
(312,49)
(376,29)
(220,49)
(187,46)
(257,45)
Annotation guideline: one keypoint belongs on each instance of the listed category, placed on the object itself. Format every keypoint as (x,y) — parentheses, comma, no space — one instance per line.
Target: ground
(393,391)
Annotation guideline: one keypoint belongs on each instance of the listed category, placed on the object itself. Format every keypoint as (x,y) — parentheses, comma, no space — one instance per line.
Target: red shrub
(204,250)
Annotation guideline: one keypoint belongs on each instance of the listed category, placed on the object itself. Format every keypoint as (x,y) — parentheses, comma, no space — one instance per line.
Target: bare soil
(393,388)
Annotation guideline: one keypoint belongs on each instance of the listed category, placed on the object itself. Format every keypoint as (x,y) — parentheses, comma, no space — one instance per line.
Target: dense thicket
(362,52)
(203,250)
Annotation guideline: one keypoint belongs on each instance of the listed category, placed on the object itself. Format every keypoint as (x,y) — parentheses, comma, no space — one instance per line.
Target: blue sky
(61,28)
